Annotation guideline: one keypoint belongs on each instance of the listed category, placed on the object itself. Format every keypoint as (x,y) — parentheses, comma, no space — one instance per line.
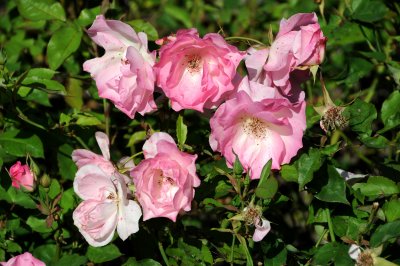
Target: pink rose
(196,73)
(83,157)
(25,259)
(258,126)
(261,80)
(21,175)
(165,179)
(300,42)
(124,74)
(106,206)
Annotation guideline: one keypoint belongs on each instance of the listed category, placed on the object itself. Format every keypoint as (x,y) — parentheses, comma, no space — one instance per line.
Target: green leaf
(39,225)
(206,254)
(237,167)
(306,165)
(136,137)
(265,172)
(267,189)
(395,72)
(179,14)
(62,44)
(181,131)
(243,243)
(40,10)
(392,210)
(54,189)
(145,262)
(369,10)
(20,147)
(74,93)
(375,142)
(68,200)
(384,233)
(361,116)
(72,260)
(335,189)
(348,226)
(87,16)
(222,189)
(66,166)
(103,254)
(377,186)
(45,253)
(86,119)
(144,26)
(20,198)
(390,112)
(289,173)
(333,252)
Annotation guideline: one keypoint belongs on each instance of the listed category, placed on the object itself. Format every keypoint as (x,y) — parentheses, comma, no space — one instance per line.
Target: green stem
(83,144)
(106,107)
(330,226)
(164,256)
(232,248)
(244,39)
(321,237)
(26,119)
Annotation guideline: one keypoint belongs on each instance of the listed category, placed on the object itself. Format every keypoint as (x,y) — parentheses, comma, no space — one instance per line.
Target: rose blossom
(300,42)
(21,175)
(196,73)
(258,126)
(124,74)
(25,259)
(83,157)
(260,80)
(165,179)
(105,207)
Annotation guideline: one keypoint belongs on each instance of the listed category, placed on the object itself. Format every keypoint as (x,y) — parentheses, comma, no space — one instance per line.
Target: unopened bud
(45,181)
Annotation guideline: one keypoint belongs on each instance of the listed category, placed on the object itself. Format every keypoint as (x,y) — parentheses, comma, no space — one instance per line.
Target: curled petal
(261,230)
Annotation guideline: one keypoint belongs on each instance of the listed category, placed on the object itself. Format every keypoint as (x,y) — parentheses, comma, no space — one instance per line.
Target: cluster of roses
(259,117)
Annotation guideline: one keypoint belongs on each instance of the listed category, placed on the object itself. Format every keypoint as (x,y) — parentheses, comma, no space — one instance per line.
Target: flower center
(111,196)
(193,63)
(255,127)
(162,179)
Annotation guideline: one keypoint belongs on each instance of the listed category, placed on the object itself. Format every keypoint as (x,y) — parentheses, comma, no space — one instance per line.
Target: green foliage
(49,107)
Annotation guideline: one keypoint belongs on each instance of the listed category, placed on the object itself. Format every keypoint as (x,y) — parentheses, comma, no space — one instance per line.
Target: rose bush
(240,155)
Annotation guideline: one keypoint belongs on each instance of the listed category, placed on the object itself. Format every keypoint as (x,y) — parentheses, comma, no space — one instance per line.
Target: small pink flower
(164,180)
(300,42)
(258,126)
(83,157)
(25,259)
(124,74)
(21,175)
(106,206)
(196,73)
